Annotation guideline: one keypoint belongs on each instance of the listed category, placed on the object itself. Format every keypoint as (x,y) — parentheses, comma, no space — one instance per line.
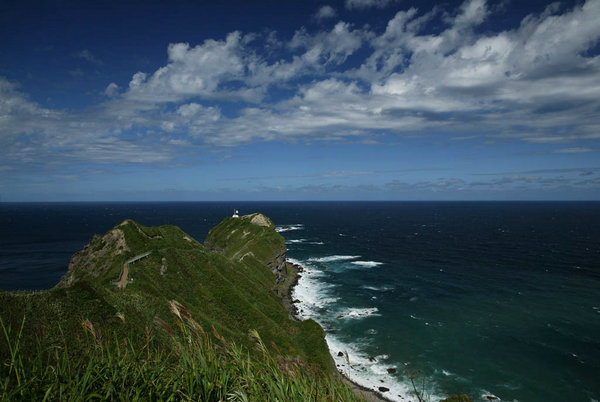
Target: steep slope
(132,272)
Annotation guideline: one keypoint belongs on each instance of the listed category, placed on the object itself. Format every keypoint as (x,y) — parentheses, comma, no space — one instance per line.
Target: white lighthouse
(235,214)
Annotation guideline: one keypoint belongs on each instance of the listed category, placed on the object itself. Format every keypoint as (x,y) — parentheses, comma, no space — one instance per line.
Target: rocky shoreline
(290,304)
(286,292)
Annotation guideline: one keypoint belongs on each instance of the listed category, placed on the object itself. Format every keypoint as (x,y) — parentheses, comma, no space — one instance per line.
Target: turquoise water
(497,299)
(486,299)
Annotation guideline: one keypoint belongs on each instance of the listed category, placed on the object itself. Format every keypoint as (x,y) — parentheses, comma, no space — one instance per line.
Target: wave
(367,264)
(359,312)
(333,258)
(303,241)
(314,295)
(378,288)
(287,228)
(295,241)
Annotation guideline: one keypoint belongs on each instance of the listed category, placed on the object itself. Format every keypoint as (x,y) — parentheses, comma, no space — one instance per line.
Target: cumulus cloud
(456,80)
(111,90)
(325,12)
(192,71)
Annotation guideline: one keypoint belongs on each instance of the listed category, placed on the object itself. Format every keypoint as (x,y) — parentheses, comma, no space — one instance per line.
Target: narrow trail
(123,279)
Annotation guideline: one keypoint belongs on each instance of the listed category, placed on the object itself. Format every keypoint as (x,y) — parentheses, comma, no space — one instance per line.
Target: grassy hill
(150,313)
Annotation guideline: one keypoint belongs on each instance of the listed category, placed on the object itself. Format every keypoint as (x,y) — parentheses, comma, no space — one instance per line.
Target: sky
(299,100)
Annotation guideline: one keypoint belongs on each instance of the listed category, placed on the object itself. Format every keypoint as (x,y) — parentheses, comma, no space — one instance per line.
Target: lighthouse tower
(235,214)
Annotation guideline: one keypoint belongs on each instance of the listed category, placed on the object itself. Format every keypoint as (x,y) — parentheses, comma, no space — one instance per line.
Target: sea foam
(314,295)
(359,312)
(378,288)
(366,371)
(367,264)
(333,258)
(287,228)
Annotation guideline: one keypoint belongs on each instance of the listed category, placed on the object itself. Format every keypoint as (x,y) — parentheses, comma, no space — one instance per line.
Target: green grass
(188,365)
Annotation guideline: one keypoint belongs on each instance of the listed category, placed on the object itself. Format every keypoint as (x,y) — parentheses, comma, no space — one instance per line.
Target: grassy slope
(220,289)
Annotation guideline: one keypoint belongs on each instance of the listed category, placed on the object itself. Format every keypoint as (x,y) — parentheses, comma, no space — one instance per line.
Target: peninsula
(150,313)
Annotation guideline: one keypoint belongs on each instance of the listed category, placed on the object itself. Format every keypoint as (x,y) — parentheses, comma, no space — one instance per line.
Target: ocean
(491,299)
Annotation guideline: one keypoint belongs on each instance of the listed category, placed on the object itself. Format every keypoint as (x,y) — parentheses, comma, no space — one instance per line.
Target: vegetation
(88,338)
(193,367)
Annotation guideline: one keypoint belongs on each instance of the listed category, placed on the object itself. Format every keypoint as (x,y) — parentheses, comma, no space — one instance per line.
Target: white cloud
(471,12)
(325,12)
(192,71)
(329,47)
(111,90)
(137,80)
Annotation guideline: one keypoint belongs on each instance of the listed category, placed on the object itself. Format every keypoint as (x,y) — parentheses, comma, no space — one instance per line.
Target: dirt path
(123,279)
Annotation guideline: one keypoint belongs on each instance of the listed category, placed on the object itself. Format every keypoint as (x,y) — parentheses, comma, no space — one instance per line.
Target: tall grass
(190,365)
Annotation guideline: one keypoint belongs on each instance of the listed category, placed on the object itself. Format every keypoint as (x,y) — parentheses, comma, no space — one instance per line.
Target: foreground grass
(190,365)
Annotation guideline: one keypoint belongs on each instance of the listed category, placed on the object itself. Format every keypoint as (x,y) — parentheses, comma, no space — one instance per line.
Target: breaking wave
(367,264)
(333,258)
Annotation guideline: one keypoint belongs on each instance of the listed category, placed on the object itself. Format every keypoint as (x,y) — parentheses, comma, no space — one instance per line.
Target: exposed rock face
(260,220)
(279,267)
(163,266)
(96,256)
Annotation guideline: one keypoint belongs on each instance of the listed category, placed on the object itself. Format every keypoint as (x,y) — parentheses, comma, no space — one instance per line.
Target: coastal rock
(340,354)
(383,389)
(391,371)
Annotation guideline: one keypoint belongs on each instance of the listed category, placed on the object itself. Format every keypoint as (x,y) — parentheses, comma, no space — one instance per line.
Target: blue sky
(307,100)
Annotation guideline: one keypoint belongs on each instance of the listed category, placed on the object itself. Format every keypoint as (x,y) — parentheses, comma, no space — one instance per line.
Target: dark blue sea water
(486,298)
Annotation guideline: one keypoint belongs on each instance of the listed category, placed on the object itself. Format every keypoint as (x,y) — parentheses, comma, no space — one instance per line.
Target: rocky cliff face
(96,257)
(279,267)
